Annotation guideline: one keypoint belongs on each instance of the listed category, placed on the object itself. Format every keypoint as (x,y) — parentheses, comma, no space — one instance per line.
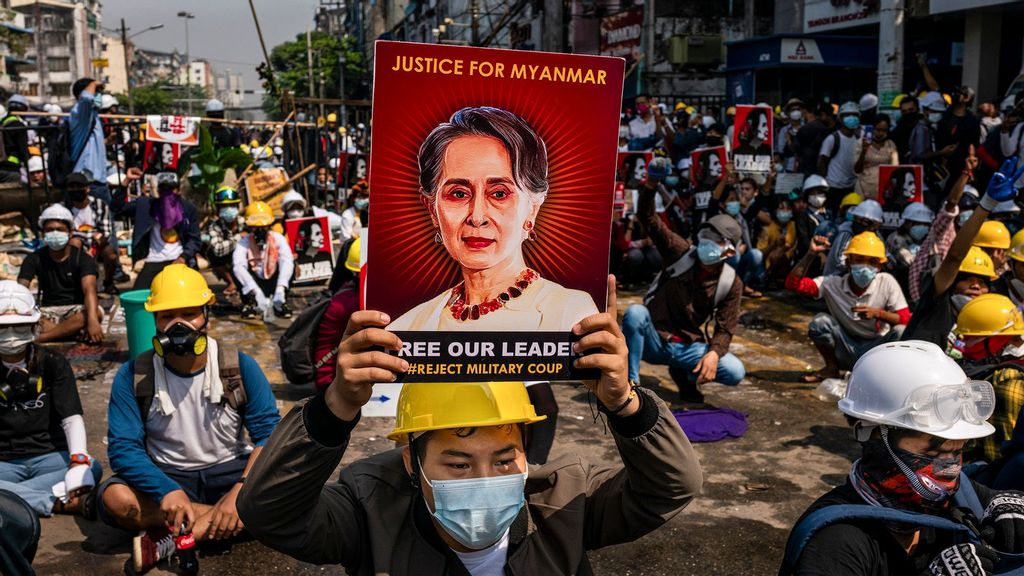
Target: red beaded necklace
(462,312)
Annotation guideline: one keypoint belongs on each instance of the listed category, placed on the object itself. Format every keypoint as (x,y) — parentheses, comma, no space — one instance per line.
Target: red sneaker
(150,547)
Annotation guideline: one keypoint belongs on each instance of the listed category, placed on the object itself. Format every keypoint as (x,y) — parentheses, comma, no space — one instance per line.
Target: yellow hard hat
(332,117)
(1017,246)
(948,99)
(424,407)
(978,263)
(680,106)
(352,259)
(851,199)
(866,244)
(254,144)
(730,110)
(259,214)
(898,100)
(690,110)
(178,286)
(989,315)
(993,234)
(778,109)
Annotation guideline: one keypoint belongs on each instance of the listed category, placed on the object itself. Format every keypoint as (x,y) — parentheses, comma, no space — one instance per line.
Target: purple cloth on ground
(711,425)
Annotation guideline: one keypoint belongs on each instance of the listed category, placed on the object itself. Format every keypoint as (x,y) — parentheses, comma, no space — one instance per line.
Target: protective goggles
(940,407)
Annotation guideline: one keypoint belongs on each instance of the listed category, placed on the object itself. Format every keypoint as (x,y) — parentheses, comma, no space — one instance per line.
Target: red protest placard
(310,240)
(897,187)
(752,139)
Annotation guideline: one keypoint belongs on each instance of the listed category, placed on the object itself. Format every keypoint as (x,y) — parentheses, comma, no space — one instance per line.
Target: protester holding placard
(263,264)
(752,139)
(876,149)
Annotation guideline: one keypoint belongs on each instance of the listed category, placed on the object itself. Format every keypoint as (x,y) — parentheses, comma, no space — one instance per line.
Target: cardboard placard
(490,213)
(313,248)
(260,186)
(752,139)
(707,168)
(898,186)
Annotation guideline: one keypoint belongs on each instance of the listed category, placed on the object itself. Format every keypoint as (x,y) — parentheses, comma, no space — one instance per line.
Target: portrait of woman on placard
(900,188)
(708,171)
(483,178)
(755,133)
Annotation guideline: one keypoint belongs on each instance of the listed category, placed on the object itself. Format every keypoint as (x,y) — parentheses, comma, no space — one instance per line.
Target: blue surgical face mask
(863,274)
(849,216)
(895,116)
(97,100)
(55,240)
(851,122)
(919,231)
(710,252)
(783,216)
(361,203)
(476,512)
(935,117)
(964,217)
(732,208)
(671,181)
(229,214)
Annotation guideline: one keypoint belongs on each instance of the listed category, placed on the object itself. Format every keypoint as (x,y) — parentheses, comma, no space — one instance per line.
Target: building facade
(67,42)
(13,47)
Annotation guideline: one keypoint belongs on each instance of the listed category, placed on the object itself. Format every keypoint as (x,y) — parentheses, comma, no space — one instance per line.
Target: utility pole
(474,22)
(341,84)
(309,61)
(188,60)
(41,66)
(648,62)
(127,68)
(890,51)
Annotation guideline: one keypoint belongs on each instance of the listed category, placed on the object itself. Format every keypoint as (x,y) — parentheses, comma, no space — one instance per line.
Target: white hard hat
(918,212)
(292,197)
(106,101)
(17,306)
(278,151)
(214,105)
(849,108)
(815,181)
(867,102)
(869,209)
(361,126)
(917,386)
(1006,206)
(35,163)
(971,191)
(52,109)
(332,163)
(933,101)
(1008,103)
(57,212)
(17,99)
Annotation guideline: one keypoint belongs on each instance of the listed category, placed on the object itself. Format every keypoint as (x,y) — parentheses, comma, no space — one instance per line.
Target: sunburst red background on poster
(578,123)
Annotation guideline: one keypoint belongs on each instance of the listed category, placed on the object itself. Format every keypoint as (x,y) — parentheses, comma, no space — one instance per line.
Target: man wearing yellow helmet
(455,500)
(964,272)
(222,234)
(177,423)
(263,264)
(866,307)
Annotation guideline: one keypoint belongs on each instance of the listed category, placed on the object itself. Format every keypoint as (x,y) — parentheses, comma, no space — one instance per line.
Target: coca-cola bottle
(185,545)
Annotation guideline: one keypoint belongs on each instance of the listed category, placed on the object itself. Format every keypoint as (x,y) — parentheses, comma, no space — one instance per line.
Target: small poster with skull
(897,187)
(752,139)
(310,240)
(707,167)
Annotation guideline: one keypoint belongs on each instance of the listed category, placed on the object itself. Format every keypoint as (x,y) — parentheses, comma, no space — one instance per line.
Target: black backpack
(61,164)
(297,342)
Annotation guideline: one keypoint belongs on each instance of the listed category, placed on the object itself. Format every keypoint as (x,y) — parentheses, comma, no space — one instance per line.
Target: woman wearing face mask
(786,149)
(777,240)
(990,331)
(221,235)
(166,229)
(44,457)
(866,307)
(263,264)
(906,503)
(815,218)
(294,206)
(354,216)
(905,242)
(876,149)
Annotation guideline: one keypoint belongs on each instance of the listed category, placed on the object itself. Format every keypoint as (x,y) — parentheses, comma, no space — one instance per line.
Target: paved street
(755,487)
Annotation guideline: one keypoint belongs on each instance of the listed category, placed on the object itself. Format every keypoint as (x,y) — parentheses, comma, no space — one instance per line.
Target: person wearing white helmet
(904,243)
(66,276)
(906,507)
(959,205)
(36,171)
(224,135)
(964,272)
(294,206)
(815,218)
(838,154)
(864,217)
(15,140)
(44,457)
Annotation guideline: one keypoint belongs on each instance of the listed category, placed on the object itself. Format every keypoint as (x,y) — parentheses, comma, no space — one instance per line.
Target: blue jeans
(826,331)
(749,267)
(33,478)
(646,344)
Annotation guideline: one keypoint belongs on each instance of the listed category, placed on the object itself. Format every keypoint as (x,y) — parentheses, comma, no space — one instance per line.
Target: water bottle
(185,551)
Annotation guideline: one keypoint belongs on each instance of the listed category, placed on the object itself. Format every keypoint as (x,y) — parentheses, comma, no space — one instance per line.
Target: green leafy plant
(212,165)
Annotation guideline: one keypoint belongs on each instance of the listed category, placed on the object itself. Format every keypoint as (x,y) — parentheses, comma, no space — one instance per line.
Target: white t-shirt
(487,562)
(640,129)
(840,167)
(161,250)
(83,217)
(884,292)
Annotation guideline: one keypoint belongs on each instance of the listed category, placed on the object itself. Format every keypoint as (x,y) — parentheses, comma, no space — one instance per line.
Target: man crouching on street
(460,499)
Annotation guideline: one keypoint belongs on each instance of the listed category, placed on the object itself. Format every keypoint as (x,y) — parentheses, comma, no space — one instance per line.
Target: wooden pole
(269,140)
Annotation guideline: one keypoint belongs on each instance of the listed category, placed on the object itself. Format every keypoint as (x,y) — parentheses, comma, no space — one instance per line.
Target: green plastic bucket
(141,325)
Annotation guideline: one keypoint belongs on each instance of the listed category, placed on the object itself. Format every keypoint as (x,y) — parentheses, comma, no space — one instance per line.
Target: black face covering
(859,227)
(260,234)
(77,195)
(180,339)
(714,141)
